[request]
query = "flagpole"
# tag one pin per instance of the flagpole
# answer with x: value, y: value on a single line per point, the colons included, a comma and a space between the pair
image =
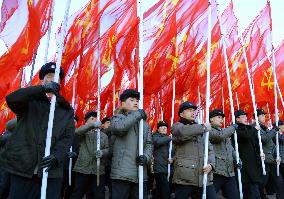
x: 276, y: 107
x: 199, y: 105
x: 280, y: 94
x: 99, y: 99
x: 172, y: 122
x: 206, y: 137
x: 231, y: 99
x: 269, y: 116
x: 33, y: 67
x: 223, y: 105
x: 49, y: 32
x: 237, y: 100
x: 53, y: 99
x: 140, y: 88
x: 73, y: 106
x: 254, y: 104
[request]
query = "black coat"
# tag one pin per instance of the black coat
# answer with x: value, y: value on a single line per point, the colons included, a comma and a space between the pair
x: 161, y: 152
x: 25, y: 149
x: 249, y: 154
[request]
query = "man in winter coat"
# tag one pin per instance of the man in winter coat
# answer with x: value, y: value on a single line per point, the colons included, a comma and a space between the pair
x: 23, y: 155
x: 224, y: 173
x: 250, y: 155
x: 280, y: 128
x: 267, y: 137
x: 161, y: 142
x: 4, y: 175
x: 86, y: 165
x: 126, y: 159
x: 189, y: 155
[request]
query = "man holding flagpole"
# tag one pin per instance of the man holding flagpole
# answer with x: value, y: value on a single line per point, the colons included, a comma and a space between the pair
x: 23, y: 156
x: 124, y: 127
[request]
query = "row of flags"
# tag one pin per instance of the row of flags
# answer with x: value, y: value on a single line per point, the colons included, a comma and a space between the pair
x: 174, y: 49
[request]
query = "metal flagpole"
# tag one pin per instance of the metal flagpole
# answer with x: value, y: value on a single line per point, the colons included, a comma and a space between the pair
x: 206, y: 137
x: 254, y: 104
x: 269, y: 116
x: 276, y: 109
x: 280, y: 94
x: 99, y: 100
x: 53, y: 99
x: 172, y: 122
x: 73, y: 106
x: 49, y: 32
x: 33, y: 67
x: 237, y: 99
x: 231, y: 99
x: 140, y: 88
x: 199, y: 105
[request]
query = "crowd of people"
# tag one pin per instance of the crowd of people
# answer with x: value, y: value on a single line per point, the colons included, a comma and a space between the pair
x: 173, y: 163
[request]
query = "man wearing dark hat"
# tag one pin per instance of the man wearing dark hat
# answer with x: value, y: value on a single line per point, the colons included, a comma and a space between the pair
x: 189, y: 152
x: 224, y: 173
x: 24, y: 153
x: 72, y: 155
x: 250, y: 155
x: 267, y: 137
x: 161, y: 142
x: 105, y: 128
x: 124, y: 126
x: 86, y: 165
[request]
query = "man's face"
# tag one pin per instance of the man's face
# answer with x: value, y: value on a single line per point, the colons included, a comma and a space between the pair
x: 242, y: 119
x: 261, y: 119
x: 162, y: 130
x: 106, y: 125
x: 188, y: 114
x: 281, y: 128
x: 91, y: 119
x: 49, y: 77
x: 217, y: 121
x: 130, y: 104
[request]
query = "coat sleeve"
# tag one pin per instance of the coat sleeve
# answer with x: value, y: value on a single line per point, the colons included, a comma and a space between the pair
x: 216, y: 136
x: 105, y: 147
x: 120, y: 124
x: 160, y: 141
x: 148, y: 147
x: 82, y: 130
x: 182, y: 133
x: 211, y: 155
x: 64, y: 143
x: 19, y: 99
x: 266, y: 136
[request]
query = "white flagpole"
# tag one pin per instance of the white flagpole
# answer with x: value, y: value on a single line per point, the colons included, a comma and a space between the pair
x: 276, y: 107
x: 231, y: 99
x: 206, y: 137
x: 53, y: 99
x: 254, y: 104
x: 172, y: 122
x: 73, y: 106
x: 199, y: 118
x: 99, y: 99
x: 280, y: 94
x: 237, y: 99
x: 49, y: 32
x: 269, y: 116
x: 140, y: 88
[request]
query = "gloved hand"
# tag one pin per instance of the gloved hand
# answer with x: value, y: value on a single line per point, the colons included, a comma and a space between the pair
x: 239, y: 165
x: 99, y: 154
x: 276, y: 128
x: 49, y: 162
x: 51, y: 87
x: 235, y: 126
x: 141, y: 160
x: 143, y: 114
x: 96, y: 124
x: 72, y: 154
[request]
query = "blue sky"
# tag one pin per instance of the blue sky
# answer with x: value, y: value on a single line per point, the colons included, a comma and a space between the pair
x: 245, y: 10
